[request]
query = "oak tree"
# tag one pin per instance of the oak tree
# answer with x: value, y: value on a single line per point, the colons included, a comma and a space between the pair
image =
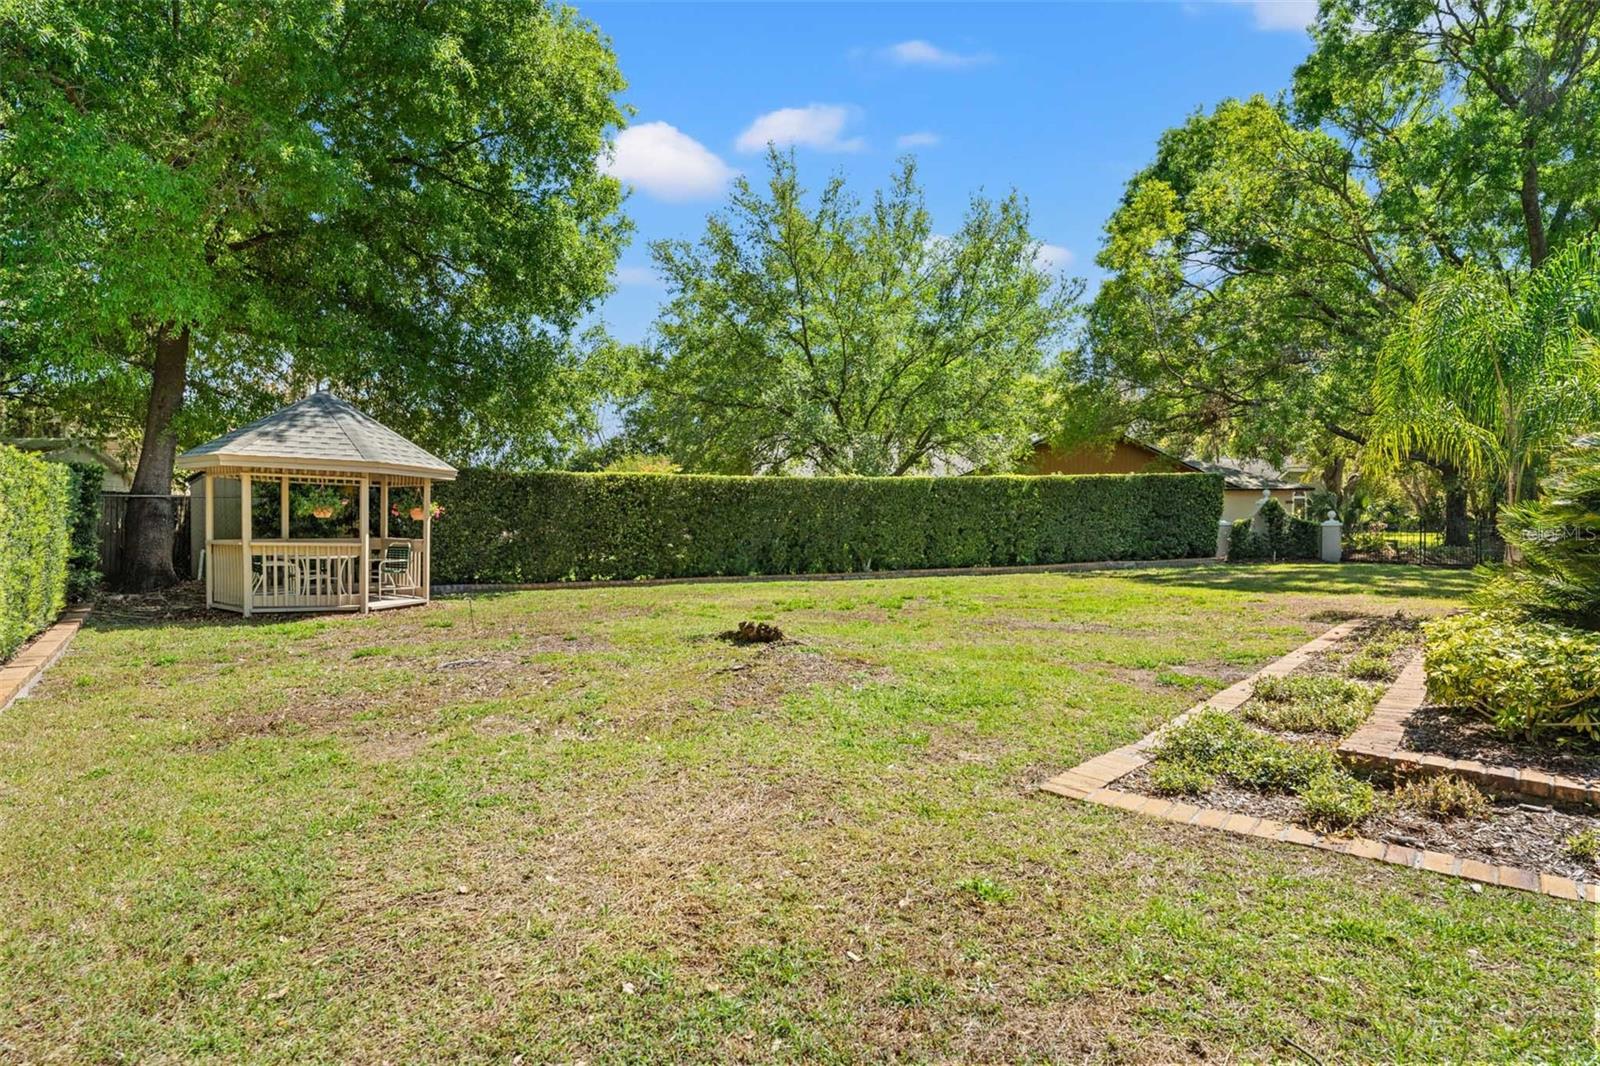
x: 208, y: 207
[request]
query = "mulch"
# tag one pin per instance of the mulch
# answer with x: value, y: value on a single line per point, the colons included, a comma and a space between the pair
x: 183, y: 602
x: 1531, y: 835
x: 1458, y: 734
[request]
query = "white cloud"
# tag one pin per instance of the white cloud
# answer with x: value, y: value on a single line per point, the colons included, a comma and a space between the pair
x: 666, y: 163
x: 1283, y: 14
x: 641, y: 276
x: 812, y: 126
x: 920, y: 53
x: 920, y: 139
x: 1052, y: 257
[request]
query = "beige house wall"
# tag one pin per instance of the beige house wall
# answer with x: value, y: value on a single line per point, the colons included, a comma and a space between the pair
x: 1242, y: 503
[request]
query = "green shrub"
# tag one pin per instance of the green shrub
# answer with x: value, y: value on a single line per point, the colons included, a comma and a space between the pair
x: 34, y: 545
x: 1444, y: 796
x: 1205, y: 740
x: 83, y: 559
x: 1529, y: 676
x: 1336, y: 800
x: 1282, y: 536
x: 511, y: 528
x: 1310, y: 703
x: 1557, y: 578
x: 1217, y: 743
x: 1370, y: 664
x: 1585, y: 846
x: 1180, y: 779
x: 1373, y: 659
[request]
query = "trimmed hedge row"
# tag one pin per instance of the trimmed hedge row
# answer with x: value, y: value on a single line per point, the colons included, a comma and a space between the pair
x: 516, y: 528
x: 1283, y: 536
x: 35, y: 514
x: 83, y: 559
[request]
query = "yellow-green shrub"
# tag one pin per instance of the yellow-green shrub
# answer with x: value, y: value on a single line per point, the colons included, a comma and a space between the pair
x: 34, y: 545
x: 1529, y: 676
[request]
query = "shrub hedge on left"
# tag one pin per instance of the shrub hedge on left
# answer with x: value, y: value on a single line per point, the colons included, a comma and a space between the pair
x: 35, y: 542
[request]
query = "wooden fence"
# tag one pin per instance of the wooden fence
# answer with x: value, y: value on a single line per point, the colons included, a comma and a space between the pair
x: 114, y: 519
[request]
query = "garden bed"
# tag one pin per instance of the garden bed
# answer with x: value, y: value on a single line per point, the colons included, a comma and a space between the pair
x: 1455, y: 734
x: 1277, y: 755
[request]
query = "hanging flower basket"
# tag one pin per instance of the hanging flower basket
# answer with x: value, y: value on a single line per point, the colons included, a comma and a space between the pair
x: 320, y: 501
x: 417, y: 512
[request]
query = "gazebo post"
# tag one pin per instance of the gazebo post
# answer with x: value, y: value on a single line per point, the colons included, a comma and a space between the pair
x: 283, y: 507
x: 427, y: 538
x: 249, y: 582
x: 383, y: 509
x: 206, y: 560
x: 366, y: 551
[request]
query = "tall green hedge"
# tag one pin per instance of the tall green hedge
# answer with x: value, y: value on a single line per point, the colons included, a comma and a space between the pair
x: 511, y: 528
x: 83, y: 560
x: 34, y: 545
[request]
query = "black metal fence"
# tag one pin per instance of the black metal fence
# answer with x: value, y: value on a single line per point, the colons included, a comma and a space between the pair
x: 1425, y: 546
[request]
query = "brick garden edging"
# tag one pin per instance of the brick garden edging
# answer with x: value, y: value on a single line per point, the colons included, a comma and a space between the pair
x: 1379, y: 744
x: 1090, y: 781
x: 19, y: 674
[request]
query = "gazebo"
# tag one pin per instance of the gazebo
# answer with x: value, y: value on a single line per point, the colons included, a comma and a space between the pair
x: 316, y: 507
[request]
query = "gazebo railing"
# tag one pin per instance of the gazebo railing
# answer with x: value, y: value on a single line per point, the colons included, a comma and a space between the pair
x: 298, y: 575
x: 294, y: 575
x: 223, y: 560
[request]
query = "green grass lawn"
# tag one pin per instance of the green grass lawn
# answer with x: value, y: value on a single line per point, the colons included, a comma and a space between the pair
x: 574, y: 825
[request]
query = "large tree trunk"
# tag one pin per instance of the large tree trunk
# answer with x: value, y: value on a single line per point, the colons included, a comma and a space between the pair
x: 1457, y: 527
x: 147, y: 536
x: 1532, y: 206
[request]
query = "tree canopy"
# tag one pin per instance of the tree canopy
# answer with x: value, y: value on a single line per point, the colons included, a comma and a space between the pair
x: 1257, y: 264
x: 1491, y: 381
x: 839, y: 337
x: 208, y: 207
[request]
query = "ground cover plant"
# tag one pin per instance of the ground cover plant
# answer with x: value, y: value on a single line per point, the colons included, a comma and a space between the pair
x: 575, y: 824
x: 1275, y: 757
x: 1311, y: 704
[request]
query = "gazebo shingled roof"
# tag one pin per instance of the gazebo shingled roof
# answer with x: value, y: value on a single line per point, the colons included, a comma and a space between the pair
x: 318, y: 432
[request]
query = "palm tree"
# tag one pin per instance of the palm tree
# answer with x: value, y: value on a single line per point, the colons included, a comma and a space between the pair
x: 1492, y: 379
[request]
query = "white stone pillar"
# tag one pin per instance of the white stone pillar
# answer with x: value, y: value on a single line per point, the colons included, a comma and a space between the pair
x: 1224, y: 537
x: 1332, y: 539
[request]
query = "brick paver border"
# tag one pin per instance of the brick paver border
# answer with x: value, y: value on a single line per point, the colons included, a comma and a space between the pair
x: 1091, y: 780
x: 1380, y: 744
x: 19, y: 674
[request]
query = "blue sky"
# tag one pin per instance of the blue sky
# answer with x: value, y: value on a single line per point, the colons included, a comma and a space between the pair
x: 1062, y: 102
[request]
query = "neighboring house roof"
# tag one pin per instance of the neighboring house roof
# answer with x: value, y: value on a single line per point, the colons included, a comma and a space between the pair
x: 320, y: 432
x: 1251, y: 474
x: 67, y: 450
